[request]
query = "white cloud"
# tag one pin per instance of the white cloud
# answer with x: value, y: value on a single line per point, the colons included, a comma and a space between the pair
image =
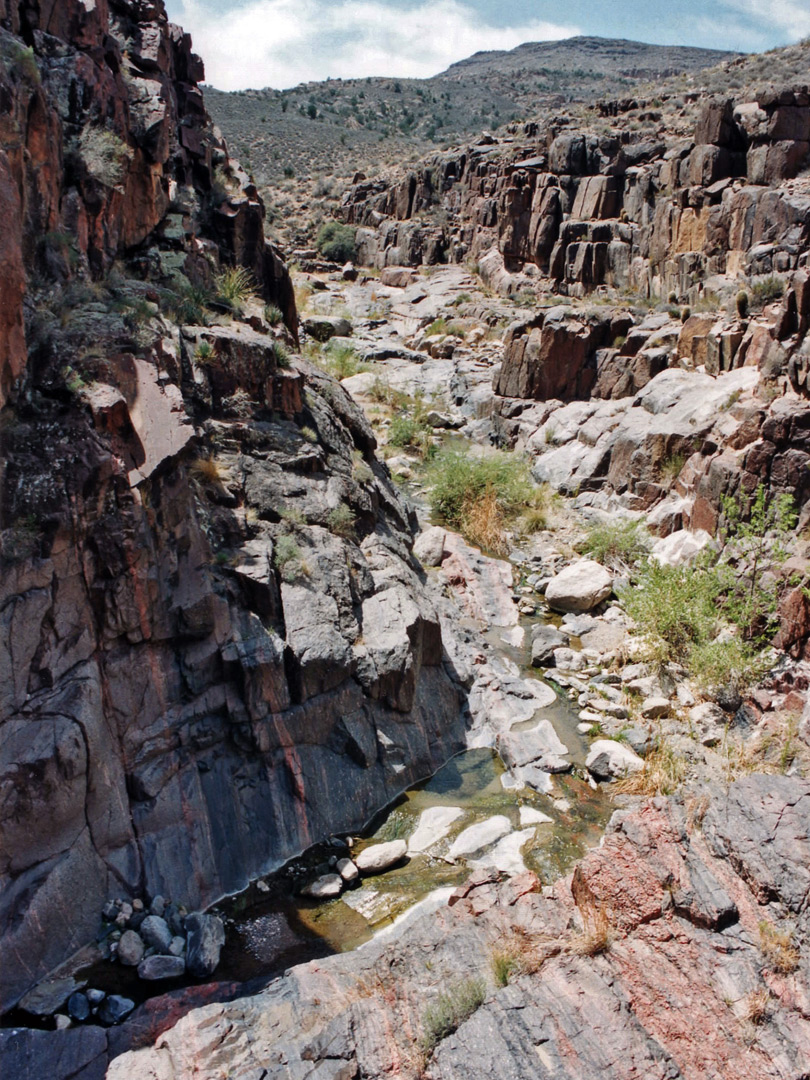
x: 281, y: 43
x: 791, y: 17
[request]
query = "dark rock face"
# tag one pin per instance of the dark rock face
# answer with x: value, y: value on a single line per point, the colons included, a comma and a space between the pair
x: 665, y: 989
x: 593, y: 210
x: 217, y: 648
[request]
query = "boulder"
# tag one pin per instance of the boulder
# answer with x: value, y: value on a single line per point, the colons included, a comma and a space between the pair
x: 680, y: 547
x: 78, y: 1006
x: 580, y: 587
x: 653, y: 708
x: 429, y: 546
x: 131, y: 948
x: 154, y: 968
x: 326, y: 887
x: 609, y: 760
x: 114, y: 1008
x: 398, y: 277
x: 379, y: 857
x: 540, y: 747
x: 205, y: 936
x: 48, y: 997
x: 156, y: 933
x: 545, y: 639
x: 323, y: 327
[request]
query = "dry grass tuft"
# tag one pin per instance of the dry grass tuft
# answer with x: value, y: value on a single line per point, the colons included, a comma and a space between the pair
x: 757, y: 1007
x: 696, y: 811
x: 778, y: 949
x: 597, y: 937
x: 482, y: 523
x: 206, y: 470
x: 662, y: 774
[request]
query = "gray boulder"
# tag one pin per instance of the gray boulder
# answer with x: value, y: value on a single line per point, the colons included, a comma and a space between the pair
x: 580, y: 587
x: 545, y: 639
x: 114, y: 1008
x: 429, y: 546
x: 78, y: 1006
x: 204, y: 941
x: 158, y: 967
x: 155, y: 933
x: 609, y: 760
x: 323, y: 327
x: 131, y: 948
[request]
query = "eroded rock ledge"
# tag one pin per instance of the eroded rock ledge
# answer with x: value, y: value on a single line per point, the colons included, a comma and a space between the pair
x: 698, y: 968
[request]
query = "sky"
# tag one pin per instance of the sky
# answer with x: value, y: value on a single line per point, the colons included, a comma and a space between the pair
x: 280, y: 43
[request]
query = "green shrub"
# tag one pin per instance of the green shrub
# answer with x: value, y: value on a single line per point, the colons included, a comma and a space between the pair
x: 450, y: 1010
x: 753, y: 534
x: 273, y: 315
x: 675, y: 608
x: 282, y: 354
x: 204, y: 353
x: 442, y: 326
x: 341, y: 521
x: 618, y: 544
x: 187, y: 305
x: 681, y: 610
x: 336, y: 242
x: 361, y: 470
x: 505, y: 964
x: 407, y: 431
x: 457, y: 479
x: 741, y: 303
x: 768, y: 289
x: 235, y: 285
x: 287, y: 558
x: 342, y: 361
x: 481, y: 496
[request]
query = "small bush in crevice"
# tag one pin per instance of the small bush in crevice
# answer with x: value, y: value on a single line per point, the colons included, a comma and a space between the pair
x: 341, y: 521
x: 235, y: 285
x: 778, y: 949
x: 287, y: 558
x: 452, y: 1007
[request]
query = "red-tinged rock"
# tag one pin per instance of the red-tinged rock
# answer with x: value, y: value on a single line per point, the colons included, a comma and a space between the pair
x: 681, y: 955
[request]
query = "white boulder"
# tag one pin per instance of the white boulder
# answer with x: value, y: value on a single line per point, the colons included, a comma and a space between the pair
x: 579, y: 587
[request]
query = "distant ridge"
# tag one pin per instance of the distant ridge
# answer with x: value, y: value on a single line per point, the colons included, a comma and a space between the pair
x: 608, y: 56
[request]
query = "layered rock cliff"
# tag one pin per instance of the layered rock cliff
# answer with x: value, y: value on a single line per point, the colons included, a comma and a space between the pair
x: 217, y: 647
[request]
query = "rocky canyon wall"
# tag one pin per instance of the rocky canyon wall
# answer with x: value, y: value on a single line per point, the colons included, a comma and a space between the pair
x: 216, y: 645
